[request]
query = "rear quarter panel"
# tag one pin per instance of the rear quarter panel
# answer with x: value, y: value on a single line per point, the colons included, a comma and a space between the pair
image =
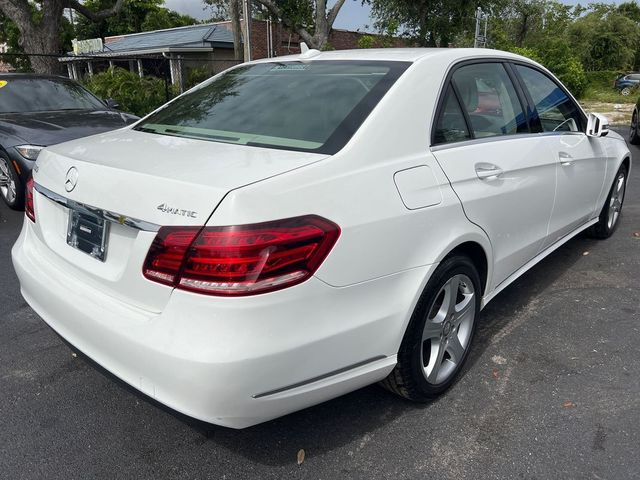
x: 355, y: 188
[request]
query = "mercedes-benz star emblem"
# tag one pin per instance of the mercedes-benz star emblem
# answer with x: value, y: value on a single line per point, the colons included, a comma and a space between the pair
x: 71, y: 180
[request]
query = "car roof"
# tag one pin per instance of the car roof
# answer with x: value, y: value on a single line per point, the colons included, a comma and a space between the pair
x: 402, y: 54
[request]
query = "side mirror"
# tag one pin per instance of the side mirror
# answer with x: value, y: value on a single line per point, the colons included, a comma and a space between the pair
x: 111, y: 103
x: 597, y: 125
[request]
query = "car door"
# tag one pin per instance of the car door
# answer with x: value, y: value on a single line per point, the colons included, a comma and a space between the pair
x: 504, y: 176
x: 581, y: 159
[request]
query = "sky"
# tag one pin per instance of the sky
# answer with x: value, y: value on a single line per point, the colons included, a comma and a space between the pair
x: 352, y: 15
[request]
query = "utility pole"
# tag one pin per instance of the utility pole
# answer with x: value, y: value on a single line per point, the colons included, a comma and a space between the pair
x: 477, y: 35
x: 480, y: 41
x: 246, y: 13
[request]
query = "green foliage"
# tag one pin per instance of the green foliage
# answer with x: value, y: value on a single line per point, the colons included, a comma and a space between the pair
x: 600, y: 88
x: 134, y: 94
x: 197, y: 75
x: 135, y: 16
x: 570, y: 72
x: 605, y: 39
x: 560, y: 60
x: 10, y: 34
x: 375, y: 41
x: 427, y: 23
x: 161, y: 18
x: 527, y: 52
x: 367, y: 41
x: 602, y: 78
x: 599, y: 37
x: 608, y: 95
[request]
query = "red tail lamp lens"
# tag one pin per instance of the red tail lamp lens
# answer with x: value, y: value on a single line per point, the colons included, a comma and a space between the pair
x: 28, y: 201
x: 240, y: 260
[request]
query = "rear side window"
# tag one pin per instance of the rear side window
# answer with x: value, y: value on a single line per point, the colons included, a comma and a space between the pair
x: 556, y: 111
x: 451, y: 125
x: 490, y: 100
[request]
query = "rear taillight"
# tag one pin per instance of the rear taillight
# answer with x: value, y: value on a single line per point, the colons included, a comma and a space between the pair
x: 28, y: 200
x: 240, y: 260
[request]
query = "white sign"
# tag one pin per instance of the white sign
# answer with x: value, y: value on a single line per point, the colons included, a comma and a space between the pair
x: 91, y: 45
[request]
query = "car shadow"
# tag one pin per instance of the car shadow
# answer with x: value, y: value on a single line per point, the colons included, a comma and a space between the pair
x: 338, y: 422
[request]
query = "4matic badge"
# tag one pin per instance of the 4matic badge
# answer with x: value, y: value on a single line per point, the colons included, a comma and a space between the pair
x: 164, y: 208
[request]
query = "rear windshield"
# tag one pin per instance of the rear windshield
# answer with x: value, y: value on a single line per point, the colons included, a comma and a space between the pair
x: 44, y: 94
x: 312, y: 106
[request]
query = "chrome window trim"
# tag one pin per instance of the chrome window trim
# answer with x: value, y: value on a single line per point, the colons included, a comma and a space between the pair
x: 109, y: 216
x: 499, y: 138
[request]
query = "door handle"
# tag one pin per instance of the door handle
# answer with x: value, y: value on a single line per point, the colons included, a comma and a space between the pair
x: 566, y: 160
x: 487, y: 171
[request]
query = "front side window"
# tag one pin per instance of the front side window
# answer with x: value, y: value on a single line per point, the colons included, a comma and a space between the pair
x: 490, y: 100
x: 556, y: 111
x: 306, y: 106
x: 44, y: 94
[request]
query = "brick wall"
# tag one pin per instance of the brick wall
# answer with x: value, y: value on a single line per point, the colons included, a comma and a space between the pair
x: 288, y: 43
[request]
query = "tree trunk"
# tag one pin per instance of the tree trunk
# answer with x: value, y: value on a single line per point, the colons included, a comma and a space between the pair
x: 41, y: 40
x: 234, y: 13
x: 323, y: 22
x: 44, y: 39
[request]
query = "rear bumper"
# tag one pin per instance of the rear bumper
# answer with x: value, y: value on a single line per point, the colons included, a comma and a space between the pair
x: 230, y: 361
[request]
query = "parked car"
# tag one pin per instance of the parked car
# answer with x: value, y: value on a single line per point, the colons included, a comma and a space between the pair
x: 40, y: 110
x: 295, y: 229
x: 625, y: 84
x: 634, y: 135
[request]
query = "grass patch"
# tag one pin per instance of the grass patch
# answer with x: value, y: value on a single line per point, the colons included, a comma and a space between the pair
x: 608, y: 95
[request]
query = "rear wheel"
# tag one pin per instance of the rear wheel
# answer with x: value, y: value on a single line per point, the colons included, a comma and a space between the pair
x: 438, y: 339
x: 634, y: 138
x: 610, y: 214
x: 11, y: 188
x: 625, y: 91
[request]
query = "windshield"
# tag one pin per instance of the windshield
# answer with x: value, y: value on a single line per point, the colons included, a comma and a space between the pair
x: 44, y: 94
x: 312, y: 106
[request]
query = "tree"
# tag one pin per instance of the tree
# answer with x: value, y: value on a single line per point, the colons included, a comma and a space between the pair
x: 310, y: 19
x: 605, y: 39
x: 428, y: 23
x: 229, y: 9
x: 134, y: 16
x: 40, y: 31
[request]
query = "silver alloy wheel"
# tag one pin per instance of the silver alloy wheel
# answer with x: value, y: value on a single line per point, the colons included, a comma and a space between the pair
x: 625, y: 91
x: 7, y: 183
x: 447, y: 329
x: 615, y: 203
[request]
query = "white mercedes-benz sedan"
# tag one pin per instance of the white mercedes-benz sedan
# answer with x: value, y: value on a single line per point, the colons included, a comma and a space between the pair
x: 297, y: 228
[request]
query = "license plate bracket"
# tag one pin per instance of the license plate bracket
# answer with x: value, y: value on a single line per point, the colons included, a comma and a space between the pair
x: 88, y: 233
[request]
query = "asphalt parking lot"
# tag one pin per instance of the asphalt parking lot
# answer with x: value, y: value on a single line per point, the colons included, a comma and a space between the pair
x: 552, y: 390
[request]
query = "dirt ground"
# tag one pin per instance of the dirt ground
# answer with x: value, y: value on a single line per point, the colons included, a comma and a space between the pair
x: 617, y: 113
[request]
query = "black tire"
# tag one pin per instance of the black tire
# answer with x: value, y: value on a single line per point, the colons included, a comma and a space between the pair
x: 605, y: 228
x: 15, y: 200
x: 625, y: 91
x: 634, y: 138
x: 409, y: 377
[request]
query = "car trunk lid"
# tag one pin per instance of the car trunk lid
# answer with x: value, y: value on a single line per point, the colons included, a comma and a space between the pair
x: 140, y: 181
